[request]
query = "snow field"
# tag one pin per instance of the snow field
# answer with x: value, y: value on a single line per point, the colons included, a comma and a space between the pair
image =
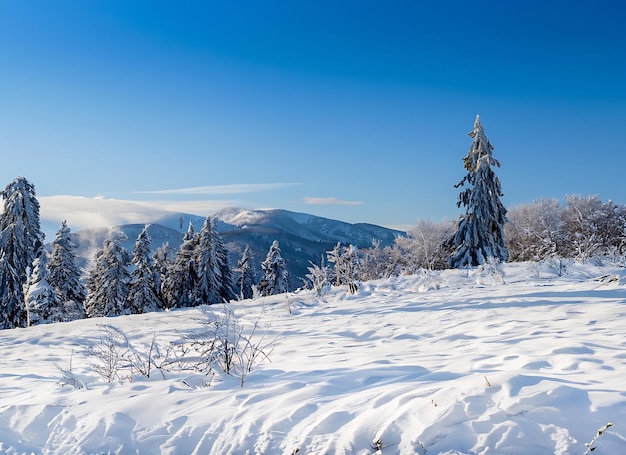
x: 430, y: 364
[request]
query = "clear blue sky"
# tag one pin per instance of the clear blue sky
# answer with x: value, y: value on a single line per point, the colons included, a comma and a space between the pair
x: 353, y: 110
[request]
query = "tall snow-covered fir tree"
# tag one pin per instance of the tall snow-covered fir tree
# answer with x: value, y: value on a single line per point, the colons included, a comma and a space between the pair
x: 179, y: 286
x: 213, y: 274
x: 209, y: 275
x: 65, y: 275
x: 109, y: 281
x: 226, y: 273
x: 162, y: 262
x: 42, y: 301
x: 21, y: 240
x: 480, y: 232
x: 144, y: 292
x: 246, y: 275
x: 275, y: 278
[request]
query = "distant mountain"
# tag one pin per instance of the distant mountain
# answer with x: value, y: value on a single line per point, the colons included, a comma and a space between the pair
x: 302, y: 237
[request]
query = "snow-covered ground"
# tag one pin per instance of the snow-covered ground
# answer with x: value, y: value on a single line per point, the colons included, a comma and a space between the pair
x: 424, y: 364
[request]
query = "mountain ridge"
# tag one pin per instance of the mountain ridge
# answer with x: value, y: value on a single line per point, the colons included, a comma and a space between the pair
x: 303, y: 238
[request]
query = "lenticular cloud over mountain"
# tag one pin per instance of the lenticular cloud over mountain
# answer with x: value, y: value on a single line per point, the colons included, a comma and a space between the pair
x: 97, y: 212
x: 450, y: 362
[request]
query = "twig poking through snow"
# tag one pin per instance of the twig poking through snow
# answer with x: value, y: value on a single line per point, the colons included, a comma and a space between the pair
x: 590, y: 445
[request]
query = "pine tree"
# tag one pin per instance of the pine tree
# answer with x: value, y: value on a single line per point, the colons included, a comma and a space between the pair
x: 226, y: 291
x: 108, y: 282
x: 480, y: 232
x: 275, y: 276
x: 179, y: 286
x: 209, y: 277
x: 246, y: 278
x: 42, y: 301
x: 162, y: 263
x: 144, y: 290
x: 21, y: 240
x: 213, y: 274
x: 65, y: 275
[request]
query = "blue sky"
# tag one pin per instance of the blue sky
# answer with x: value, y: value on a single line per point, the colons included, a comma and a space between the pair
x: 353, y: 110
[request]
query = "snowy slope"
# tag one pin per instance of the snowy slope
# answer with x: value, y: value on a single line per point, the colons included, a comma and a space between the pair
x: 431, y: 364
x: 306, y: 226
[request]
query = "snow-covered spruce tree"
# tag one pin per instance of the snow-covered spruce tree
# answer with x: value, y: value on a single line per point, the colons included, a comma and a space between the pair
x: 226, y: 273
x: 162, y: 262
x: 246, y: 274
x: 480, y: 232
x: 275, y: 278
x: 21, y: 240
x: 42, y: 301
x: 109, y: 281
x: 208, y: 273
x: 65, y: 275
x: 143, y: 296
x: 179, y: 285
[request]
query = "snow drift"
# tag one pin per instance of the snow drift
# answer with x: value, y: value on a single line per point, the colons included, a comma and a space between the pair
x: 428, y: 364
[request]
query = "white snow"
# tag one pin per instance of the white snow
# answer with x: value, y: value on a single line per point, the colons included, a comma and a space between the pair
x: 241, y: 217
x: 429, y: 364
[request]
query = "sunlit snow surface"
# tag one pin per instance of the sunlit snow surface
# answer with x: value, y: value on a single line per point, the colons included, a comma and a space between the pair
x: 426, y: 364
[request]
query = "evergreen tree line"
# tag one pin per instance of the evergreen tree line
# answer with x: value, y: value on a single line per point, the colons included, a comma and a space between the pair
x: 40, y: 286
x: 138, y: 281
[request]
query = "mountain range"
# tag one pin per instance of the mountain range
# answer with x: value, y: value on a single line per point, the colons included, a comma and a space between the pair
x: 303, y: 238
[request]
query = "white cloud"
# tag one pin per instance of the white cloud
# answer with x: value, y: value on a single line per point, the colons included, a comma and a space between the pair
x: 83, y: 213
x: 401, y: 227
x: 236, y: 188
x: 329, y: 201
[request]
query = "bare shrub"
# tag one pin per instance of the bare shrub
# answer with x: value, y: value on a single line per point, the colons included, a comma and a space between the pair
x: 223, y: 342
x: 69, y: 378
x: 490, y: 272
x: 109, y: 353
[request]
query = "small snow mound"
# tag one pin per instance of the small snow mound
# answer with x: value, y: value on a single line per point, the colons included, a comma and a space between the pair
x: 430, y: 285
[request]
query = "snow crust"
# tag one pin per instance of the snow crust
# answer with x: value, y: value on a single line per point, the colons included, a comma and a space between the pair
x: 432, y: 363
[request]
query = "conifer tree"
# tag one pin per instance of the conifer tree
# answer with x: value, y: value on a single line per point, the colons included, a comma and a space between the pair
x: 65, y: 275
x: 246, y: 278
x: 213, y: 274
x: 226, y: 291
x: 179, y: 286
x: 162, y: 262
x: 275, y: 278
x: 208, y: 272
x: 108, y: 282
x: 144, y: 291
x: 480, y: 232
x: 21, y: 240
x: 42, y: 301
